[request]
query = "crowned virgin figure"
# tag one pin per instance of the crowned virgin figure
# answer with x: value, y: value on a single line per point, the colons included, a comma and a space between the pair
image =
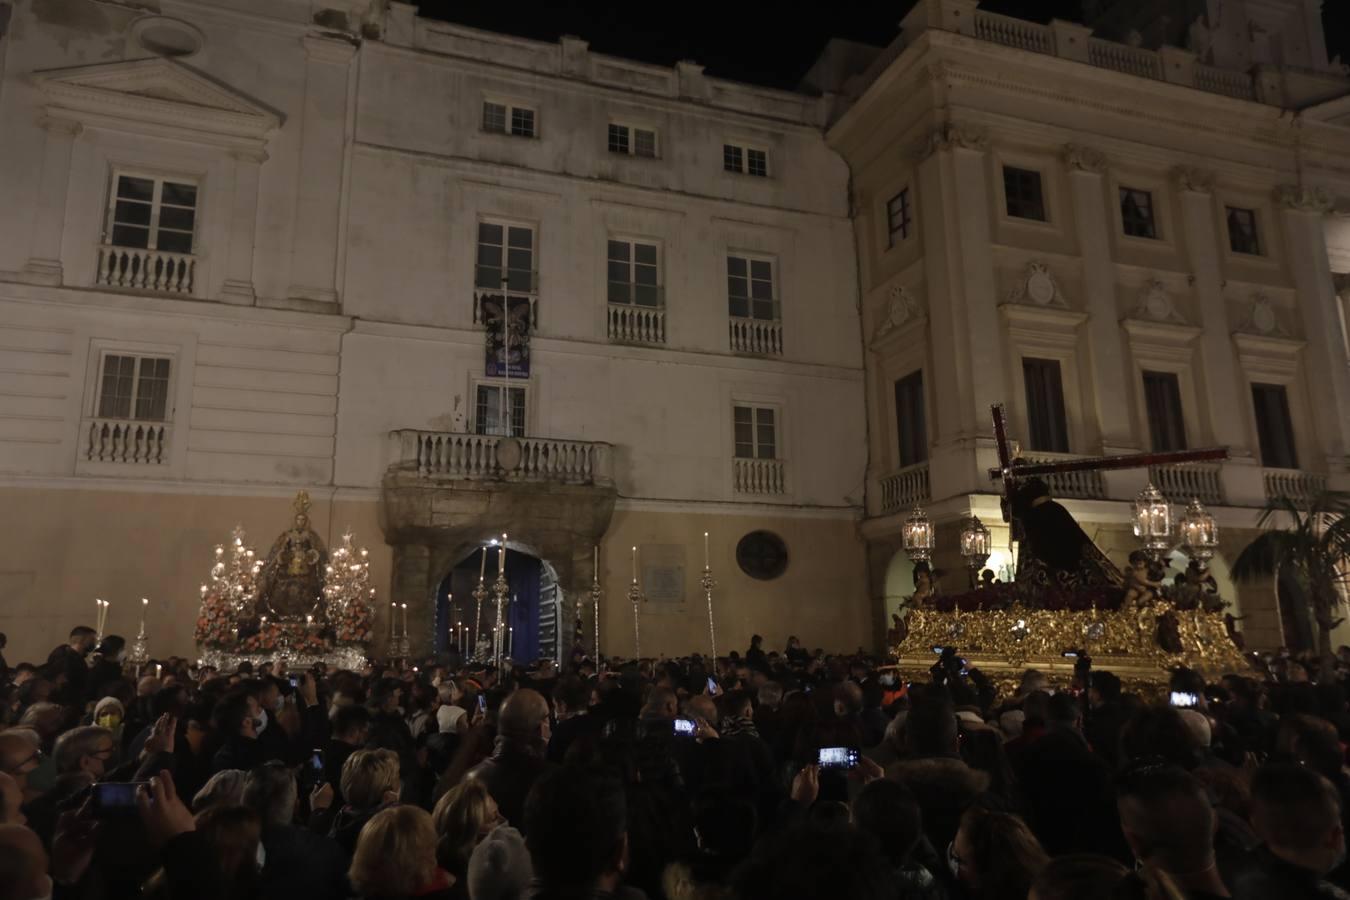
x: 290, y: 585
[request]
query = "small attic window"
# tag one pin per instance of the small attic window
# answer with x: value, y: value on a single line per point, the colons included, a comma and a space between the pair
x: 163, y: 36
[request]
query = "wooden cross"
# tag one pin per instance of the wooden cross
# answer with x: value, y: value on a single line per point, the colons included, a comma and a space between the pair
x: 1011, y: 474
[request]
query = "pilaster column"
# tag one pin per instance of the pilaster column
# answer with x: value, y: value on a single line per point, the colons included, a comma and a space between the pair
x: 314, y: 246
x: 49, y: 220
x: 967, y: 335
x: 238, y: 287
x: 1110, y: 373
x: 411, y: 585
x: 1328, y: 375
x: 1221, y: 381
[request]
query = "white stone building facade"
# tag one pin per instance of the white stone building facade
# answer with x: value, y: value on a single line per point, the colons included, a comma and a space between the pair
x: 1132, y: 245
x: 244, y: 249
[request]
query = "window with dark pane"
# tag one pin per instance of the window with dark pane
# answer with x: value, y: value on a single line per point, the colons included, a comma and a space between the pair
x: 1023, y: 193
x: 1162, y: 403
x: 738, y: 286
x: 134, y: 387
x: 1047, y: 424
x: 756, y: 432
x: 733, y: 158
x: 1136, y: 213
x: 153, y: 214
x: 513, y: 259
x: 520, y: 259
x: 898, y: 218
x: 494, y: 117
x: 634, y: 275
x: 1274, y: 426
x: 522, y: 122
x: 910, y: 419
x: 1242, y: 234
x: 644, y: 143
x: 489, y: 419
x: 618, y: 138
x: 762, y: 303
x: 757, y: 163
x: 118, y: 387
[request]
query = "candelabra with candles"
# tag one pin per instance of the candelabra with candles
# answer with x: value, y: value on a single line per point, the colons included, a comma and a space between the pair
x: 140, y: 648
x: 499, y: 590
x: 635, y: 597
x: 404, y: 647
x: 708, y: 583
x: 1152, y: 522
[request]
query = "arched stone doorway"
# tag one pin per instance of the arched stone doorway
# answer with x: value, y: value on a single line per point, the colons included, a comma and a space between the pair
x: 435, y: 524
x: 537, y: 619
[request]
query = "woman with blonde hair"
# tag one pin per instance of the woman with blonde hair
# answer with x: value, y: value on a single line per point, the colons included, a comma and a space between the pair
x: 463, y: 817
x: 396, y: 858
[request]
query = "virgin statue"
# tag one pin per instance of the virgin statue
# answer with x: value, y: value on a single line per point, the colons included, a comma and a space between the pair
x: 291, y: 582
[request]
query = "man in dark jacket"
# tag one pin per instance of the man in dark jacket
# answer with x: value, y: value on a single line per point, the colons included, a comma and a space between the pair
x: 576, y: 829
x: 68, y: 660
x: 236, y: 722
x: 518, y: 759
x: 298, y: 862
x: 571, y: 705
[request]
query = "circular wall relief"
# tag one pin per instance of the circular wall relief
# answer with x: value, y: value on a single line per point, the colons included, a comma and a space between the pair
x: 509, y: 454
x: 164, y: 36
x: 762, y: 555
x: 1263, y: 317
x: 1041, y: 287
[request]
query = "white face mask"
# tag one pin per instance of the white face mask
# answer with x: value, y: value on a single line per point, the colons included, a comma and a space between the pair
x: 261, y: 722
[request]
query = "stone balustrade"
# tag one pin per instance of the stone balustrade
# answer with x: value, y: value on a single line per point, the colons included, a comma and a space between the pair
x: 1179, y: 483
x: 905, y: 489
x: 1068, y: 40
x: 1224, y: 81
x: 481, y: 457
x: 123, y: 441
x: 1087, y: 485
x: 1300, y: 487
x: 1124, y: 58
x: 1013, y: 32
x: 630, y: 324
x: 761, y: 337
x: 759, y: 476
x: 145, y: 270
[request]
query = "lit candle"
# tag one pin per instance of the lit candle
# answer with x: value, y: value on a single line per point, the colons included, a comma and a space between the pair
x: 405, y: 619
x: 393, y: 611
x: 482, y: 563
x: 595, y: 567
x: 705, y: 550
x: 264, y: 621
x: 501, y: 558
x: 458, y: 639
x: 510, y: 638
x: 635, y: 565
x: 158, y: 669
x: 144, y: 604
x: 309, y: 621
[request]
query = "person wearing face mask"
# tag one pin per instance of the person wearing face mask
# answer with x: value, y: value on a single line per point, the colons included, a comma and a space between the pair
x: 1298, y: 815
x: 107, y: 665
x: 110, y: 714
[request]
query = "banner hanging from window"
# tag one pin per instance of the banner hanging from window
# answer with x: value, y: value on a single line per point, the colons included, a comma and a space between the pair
x: 492, y: 313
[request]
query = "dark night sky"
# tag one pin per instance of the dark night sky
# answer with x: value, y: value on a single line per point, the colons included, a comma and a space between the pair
x: 751, y: 42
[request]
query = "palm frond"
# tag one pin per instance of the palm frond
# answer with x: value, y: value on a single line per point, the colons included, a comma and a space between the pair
x: 1264, y: 555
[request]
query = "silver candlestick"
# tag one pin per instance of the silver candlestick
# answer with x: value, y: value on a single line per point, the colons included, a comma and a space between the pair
x: 500, y: 589
x: 709, y: 584
x: 480, y: 594
x: 635, y: 595
x: 595, y: 612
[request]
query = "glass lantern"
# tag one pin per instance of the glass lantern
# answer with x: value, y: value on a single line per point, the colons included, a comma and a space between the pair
x: 1199, y: 532
x: 918, y: 536
x: 1152, y: 517
x: 975, y: 543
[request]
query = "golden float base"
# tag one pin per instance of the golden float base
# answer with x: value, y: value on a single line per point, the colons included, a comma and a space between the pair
x: 1004, y: 643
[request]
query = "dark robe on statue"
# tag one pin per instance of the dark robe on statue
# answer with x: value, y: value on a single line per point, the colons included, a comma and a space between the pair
x: 1055, y: 552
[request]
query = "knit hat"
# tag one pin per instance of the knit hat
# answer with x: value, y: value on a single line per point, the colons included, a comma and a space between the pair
x: 500, y: 867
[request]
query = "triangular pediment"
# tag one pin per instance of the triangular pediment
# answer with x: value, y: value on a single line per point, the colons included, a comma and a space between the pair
x: 157, y: 91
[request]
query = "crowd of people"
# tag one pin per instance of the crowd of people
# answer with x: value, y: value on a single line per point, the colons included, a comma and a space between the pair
x: 762, y: 776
